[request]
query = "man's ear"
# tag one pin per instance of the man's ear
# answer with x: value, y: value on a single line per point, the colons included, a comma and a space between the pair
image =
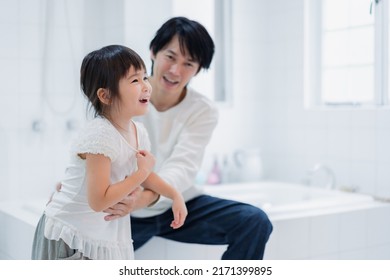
x: 104, y: 96
x: 152, y: 55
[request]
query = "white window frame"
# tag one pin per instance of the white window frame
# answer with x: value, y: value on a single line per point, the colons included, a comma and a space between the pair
x: 312, y: 58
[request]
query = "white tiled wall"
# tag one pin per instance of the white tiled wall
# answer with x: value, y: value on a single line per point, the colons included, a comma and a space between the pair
x: 354, y: 143
x: 31, y: 162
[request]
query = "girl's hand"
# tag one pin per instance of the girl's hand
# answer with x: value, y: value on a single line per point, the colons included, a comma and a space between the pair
x: 179, y: 210
x: 145, y: 161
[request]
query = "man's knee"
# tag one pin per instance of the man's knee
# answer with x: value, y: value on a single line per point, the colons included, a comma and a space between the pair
x: 257, y: 218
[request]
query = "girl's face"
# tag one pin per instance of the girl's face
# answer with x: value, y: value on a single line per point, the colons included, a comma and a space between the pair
x: 134, y: 93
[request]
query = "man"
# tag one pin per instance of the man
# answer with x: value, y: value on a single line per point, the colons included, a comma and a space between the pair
x: 180, y: 123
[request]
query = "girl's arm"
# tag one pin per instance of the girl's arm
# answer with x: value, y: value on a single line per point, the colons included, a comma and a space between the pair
x: 138, y: 199
x: 158, y: 185
x: 101, y: 193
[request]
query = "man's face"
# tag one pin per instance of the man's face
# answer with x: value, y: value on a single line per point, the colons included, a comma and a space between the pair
x: 172, y: 70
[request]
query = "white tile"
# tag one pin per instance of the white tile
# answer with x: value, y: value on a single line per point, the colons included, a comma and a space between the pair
x: 363, y: 119
x: 281, y: 5
x: 382, y: 145
x: 339, y: 119
x: 160, y: 248
x: 293, y: 171
x: 383, y: 180
x: 286, y: 25
x: 378, y: 227
x: 271, y: 249
x: 31, y: 43
x: 32, y: 12
x: 13, y: 161
x: 214, y: 252
x: 363, y: 144
x: 382, y: 120
x: 31, y: 81
x: 185, y: 251
x: 363, y: 176
x: 352, y: 230
x: 339, y: 144
x: 19, y: 236
x: 330, y: 256
x: 276, y: 141
x: 324, y: 233
x: 295, y: 111
x: 10, y: 93
x: 9, y: 12
x: 154, y: 249
x: 315, y: 119
x: 9, y: 33
x: 296, y: 136
x: 315, y: 144
x: 293, y: 239
x: 358, y: 254
x: 2, y: 231
x: 75, y: 12
x: 380, y: 252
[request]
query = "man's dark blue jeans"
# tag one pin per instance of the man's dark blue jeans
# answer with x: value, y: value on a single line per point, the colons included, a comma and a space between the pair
x: 244, y: 228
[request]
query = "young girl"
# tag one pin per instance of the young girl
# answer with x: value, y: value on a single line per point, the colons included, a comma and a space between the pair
x: 109, y: 160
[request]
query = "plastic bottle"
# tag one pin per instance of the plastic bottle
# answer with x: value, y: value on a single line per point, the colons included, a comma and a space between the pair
x: 214, y: 176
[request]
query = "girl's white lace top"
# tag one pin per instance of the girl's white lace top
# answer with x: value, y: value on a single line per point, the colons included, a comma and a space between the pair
x: 68, y: 215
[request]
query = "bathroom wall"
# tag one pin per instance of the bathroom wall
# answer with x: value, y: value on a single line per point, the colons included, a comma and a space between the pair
x: 43, y: 45
x: 240, y: 120
x: 34, y: 128
x: 268, y: 63
x: 39, y: 71
x: 43, y: 107
x: 268, y: 87
x: 266, y: 111
x: 354, y: 143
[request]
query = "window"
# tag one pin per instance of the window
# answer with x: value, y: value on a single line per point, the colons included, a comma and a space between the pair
x: 345, y: 51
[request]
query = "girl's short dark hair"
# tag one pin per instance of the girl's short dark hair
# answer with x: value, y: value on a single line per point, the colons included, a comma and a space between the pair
x: 192, y: 35
x: 104, y: 68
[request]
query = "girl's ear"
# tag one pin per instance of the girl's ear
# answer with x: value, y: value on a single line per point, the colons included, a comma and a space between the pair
x: 104, y: 96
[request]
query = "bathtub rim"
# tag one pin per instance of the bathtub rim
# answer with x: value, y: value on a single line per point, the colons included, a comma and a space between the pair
x: 356, y: 201
x: 31, y: 210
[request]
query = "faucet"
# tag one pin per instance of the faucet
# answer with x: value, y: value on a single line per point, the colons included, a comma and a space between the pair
x: 318, y: 167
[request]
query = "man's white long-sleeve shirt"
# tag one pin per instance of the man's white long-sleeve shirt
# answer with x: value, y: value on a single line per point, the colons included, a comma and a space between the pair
x: 178, y: 138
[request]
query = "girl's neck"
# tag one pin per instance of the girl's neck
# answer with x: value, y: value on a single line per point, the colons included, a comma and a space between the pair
x: 120, y: 124
x: 126, y: 128
x: 121, y: 127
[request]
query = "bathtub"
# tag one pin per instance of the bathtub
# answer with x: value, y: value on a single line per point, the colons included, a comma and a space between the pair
x: 309, y: 223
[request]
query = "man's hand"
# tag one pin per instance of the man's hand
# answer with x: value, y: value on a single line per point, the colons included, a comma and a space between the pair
x: 58, y: 188
x: 124, y: 207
